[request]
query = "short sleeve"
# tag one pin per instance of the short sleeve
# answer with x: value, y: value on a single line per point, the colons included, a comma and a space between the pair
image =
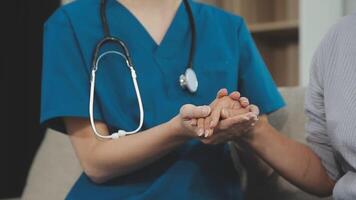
x: 255, y: 81
x: 65, y: 78
x: 317, y: 137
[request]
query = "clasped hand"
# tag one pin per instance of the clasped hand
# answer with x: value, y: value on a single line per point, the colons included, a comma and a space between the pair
x: 227, y: 118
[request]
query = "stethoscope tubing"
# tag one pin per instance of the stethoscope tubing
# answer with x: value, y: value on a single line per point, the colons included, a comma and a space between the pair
x: 126, y: 56
x: 120, y: 133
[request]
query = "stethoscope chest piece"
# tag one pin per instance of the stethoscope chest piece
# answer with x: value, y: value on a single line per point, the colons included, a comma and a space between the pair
x: 189, y: 80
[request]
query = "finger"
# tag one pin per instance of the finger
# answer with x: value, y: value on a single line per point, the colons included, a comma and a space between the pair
x: 235, y: 95
x: 190, y: 111
x: 193, y: 122
x: 222, y: 137
x: 236, y: 105
x: 244, y: 102
x: 200, y: 126
x: 254, y: 109
x: 227, y: 113
x: 221, y: 93
x: 227, y: 123
x: 251, y: 116
x: 252, y: 119
x: 247, y: 125
x: 208, y: 132
x: 214, y: 118
x: 207, y: 129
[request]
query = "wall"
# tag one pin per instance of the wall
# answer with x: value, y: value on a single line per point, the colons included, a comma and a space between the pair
x: 316, y: 17
x: 20, y: 86
x: 349, y: 7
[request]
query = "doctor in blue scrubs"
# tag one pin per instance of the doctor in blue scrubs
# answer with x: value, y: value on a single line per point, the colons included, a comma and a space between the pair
x: 167, y: 158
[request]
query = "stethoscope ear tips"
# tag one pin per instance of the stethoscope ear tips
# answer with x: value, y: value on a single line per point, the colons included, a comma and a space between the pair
x: 189, y: 80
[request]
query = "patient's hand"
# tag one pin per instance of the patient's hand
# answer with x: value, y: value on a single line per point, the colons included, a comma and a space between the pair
x: 231, y: 116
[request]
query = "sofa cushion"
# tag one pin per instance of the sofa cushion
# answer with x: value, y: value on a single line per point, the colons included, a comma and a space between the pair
x: 291, y: 119
x: 54, y: 170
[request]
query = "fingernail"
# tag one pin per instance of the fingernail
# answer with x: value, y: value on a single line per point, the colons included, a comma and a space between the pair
x: 212, y: 124
x: 206, y: 133
x: 200, y: 132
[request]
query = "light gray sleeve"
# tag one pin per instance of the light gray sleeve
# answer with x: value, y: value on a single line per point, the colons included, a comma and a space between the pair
x: 317, y: 137
x: 345, y: 188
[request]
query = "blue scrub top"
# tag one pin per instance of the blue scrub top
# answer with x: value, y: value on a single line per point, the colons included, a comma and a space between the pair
x: 225, y: 57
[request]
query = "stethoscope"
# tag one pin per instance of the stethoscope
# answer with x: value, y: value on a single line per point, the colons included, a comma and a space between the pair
x: 188, y: 80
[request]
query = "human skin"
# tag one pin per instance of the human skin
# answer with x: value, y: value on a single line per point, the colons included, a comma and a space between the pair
x: 294, y: 161
x: 104, y: 160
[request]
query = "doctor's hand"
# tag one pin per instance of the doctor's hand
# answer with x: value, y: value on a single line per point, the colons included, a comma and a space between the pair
x: 234, y: 118
x: 224, y: 106
x: 187, y: 119
x: 233, y: 128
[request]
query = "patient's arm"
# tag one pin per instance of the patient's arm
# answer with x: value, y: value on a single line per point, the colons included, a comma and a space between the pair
x: 294, y: 161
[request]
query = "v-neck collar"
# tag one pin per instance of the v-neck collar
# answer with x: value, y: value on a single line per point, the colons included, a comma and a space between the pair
x: 130, y: 26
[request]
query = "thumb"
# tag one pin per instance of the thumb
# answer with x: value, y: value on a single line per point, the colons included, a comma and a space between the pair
x: 189, y: 111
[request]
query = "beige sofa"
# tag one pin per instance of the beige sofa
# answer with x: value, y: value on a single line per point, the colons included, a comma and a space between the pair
x: 55, y: 167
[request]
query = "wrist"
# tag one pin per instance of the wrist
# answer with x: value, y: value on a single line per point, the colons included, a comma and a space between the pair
x: 255, y: 135
x: 178, y: 130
